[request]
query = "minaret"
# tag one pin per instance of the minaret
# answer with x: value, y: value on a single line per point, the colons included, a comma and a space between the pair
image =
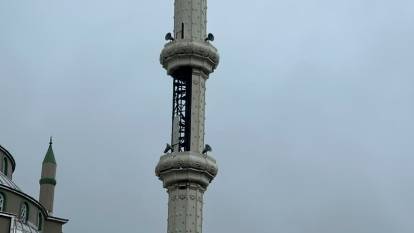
x: 47, y: 180
x: 186, y: 169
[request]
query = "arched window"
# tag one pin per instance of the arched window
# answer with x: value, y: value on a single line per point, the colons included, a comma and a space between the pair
x: 24, y: 212
x: 2, y: 202
x: 40, y: 221
x: 5, y: 168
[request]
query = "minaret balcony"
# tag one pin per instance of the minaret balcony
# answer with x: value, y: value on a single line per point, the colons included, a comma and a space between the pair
x: 201, y: 55
x: 186, y: 167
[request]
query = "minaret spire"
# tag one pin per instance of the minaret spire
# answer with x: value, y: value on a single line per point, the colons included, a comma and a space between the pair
x: 48, y: 179
x: 189, y: 58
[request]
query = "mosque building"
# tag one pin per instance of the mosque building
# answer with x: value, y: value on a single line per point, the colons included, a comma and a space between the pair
x: 21, y: 213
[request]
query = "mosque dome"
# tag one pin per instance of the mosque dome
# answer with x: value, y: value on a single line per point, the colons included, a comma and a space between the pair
x: 9, y: 157
x: 21, y: 213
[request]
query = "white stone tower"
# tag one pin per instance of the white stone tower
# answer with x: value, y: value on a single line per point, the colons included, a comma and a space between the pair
x: 186, y: 169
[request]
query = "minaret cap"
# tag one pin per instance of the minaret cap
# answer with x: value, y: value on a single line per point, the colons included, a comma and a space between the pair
x: 50, y: 157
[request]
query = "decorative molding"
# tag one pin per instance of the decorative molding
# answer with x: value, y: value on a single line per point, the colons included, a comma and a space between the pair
x: 200, y: 55
x: 46, y: 180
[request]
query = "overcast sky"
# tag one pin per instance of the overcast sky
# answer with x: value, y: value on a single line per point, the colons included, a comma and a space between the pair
x: 310, y: 112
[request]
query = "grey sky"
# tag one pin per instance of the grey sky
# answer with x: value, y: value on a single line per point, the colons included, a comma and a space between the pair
x: 310, y: 112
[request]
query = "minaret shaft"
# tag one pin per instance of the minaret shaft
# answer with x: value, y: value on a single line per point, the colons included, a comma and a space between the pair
x: 190, y: 19
x: 197, y: 111
x: 47, y: 186
x: 185, y: 208
x: 47, y: 196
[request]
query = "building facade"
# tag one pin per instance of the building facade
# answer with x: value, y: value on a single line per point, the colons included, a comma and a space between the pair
x: 21, y: 213
x: 187, y: 167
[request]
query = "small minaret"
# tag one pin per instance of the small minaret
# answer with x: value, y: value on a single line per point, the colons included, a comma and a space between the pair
x: 47, y: 180
x: 186, y: 169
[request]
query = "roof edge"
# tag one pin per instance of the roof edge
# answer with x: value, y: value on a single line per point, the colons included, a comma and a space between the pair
x: 36, y: 203
x: 56, y: 219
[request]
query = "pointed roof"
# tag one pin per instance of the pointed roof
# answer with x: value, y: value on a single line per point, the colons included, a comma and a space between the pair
x: 50, y: 157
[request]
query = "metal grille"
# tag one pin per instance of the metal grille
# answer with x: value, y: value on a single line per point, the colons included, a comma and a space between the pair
x: 181, y: 115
